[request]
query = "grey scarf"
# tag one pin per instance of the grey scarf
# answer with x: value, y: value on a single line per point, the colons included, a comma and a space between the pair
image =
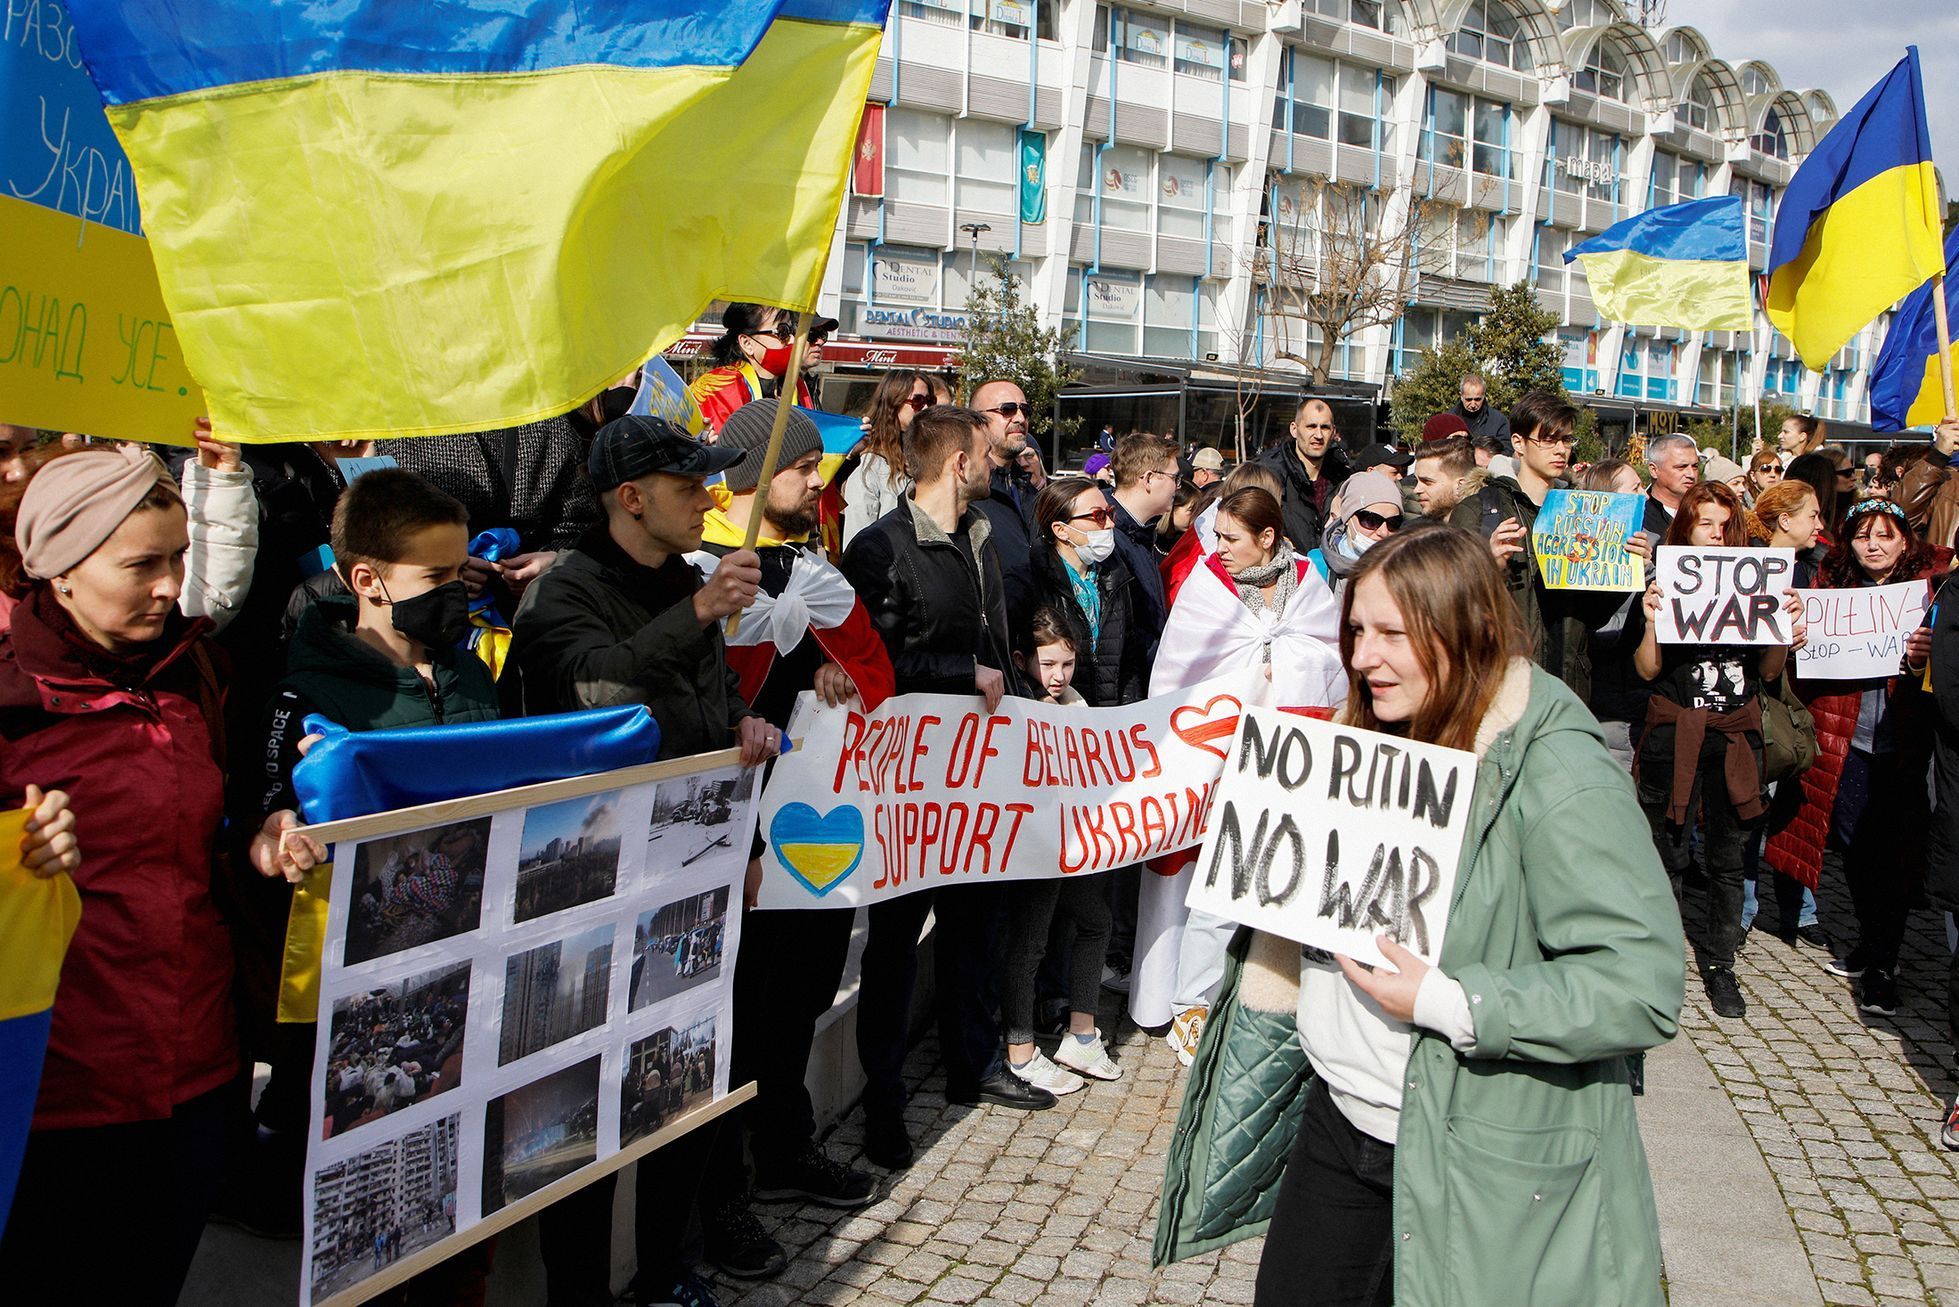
x: 1251, y: 581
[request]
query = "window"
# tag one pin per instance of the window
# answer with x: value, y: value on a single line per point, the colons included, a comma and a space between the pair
x: 1583, y: 13
x: 1169, y: 308
x: 1468, y: 132
x: 1180, y: 197
x: 951, y: 13
x: 918, y: 156
x: 1360, y: 123
x: 956, y: 279
x: 1381, y: 15
x: 1200, y: 51
x: 1679, y: 49
x: 1320, y: 87
x: 1141, y: 38
x: 1700, y: 106
x: 1646, y: 369
x: 1759, y: 200
x: 1123, y: 176
x: 1771, y: 140
x: 1490, y: 32
x: 1754, y: 82
x: 1547, y: 259
x: 1013, y: 17
x: 989, y: 159
x: 1675, y: 179
x: 1210, y: 295
x: 1584, y: 160
x: 1111, y: 306
x: 1580, y: 359
x: 1606, y: 74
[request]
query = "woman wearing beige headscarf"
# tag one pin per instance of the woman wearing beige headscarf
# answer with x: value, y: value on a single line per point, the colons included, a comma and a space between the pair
x: 110, y: 693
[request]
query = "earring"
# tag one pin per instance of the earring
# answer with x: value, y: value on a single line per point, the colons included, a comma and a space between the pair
x: 61, y: 586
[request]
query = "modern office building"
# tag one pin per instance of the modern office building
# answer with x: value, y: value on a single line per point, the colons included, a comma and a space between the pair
x: 1138, y: 162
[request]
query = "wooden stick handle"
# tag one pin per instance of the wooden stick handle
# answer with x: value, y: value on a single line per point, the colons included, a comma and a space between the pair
x: 785, y: 400
x: 1945, y: 343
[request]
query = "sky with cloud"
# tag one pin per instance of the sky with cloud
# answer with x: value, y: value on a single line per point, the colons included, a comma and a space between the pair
x: 1842, y: 49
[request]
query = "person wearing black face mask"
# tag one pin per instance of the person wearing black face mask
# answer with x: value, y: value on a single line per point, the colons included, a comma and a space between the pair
x: 385, y: 655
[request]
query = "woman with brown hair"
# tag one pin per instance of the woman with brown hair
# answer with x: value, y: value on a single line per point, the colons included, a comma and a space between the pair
x: 1702, y: 750
x: 1467, y: 1130
x: 1764, y: 471
x: 1865, y: 813
x: 1800, y: 434
x: 879, y: 481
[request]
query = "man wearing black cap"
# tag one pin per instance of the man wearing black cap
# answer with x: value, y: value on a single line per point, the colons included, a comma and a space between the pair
x: 624, y: 618
x: 1383, y: 458
x: 751, y: 355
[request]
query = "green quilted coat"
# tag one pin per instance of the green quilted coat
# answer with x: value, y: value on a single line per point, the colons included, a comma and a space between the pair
x: 1519, y: 1174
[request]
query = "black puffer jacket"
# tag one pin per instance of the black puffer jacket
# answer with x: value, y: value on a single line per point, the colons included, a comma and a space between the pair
x: 1117, y: 669
x: 940, y: 613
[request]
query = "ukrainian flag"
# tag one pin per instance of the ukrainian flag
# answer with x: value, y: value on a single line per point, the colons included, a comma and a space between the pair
x: 413, y: 218
x: 1858, y: 228
x: 1906, y: 389
x: 37, y: 919
x: 1682, y: 265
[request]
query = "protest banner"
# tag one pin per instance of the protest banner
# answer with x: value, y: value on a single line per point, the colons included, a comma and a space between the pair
x: 85, y: 341
x: 1719, y: 594
x: 519, y: 993
x: 1330, y: 835
x: 1580, y: 541
x: 1858, y: 634
x: 929, y: 789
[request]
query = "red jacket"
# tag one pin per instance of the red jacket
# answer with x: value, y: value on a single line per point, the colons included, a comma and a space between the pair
x: 142, y: 1019
x: 1795, y: 846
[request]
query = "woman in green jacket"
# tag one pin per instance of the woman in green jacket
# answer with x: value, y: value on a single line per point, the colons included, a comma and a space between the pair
x: 1462, y: 1134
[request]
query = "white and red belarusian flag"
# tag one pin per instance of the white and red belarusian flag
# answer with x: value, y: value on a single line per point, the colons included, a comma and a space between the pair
x: 817, y: 601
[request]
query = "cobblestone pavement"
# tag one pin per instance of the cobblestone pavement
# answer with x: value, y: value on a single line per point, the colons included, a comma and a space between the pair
x: 1846, y: 1110
x: 1054, y: 1208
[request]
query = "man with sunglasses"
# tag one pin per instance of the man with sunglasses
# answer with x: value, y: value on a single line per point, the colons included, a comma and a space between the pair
x: 1504, y: 509
x: 751, y: 355
x: 1009, y: 503
x: 1310, y: 469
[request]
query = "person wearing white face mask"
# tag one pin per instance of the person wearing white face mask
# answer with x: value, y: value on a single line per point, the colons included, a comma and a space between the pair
x: 1079, y: 573
x: 1368, y: 510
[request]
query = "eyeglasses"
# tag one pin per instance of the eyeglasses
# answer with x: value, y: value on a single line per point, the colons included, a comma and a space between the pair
x: 1372, y: 521
x: 781, y: 331
x: 1160, y: 472
x: 1100, y: 516
x: 818, y: 337
x: 1549, y: 440
x: 918, y: 403
x: 1012, y: 408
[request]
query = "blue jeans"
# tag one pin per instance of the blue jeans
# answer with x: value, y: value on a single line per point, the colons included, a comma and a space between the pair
x: 1795, y: 902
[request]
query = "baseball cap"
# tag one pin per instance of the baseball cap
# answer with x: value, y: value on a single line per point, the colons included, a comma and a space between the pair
x: 1209, y: 459
x: 1382, y: 456
x: 634, y: 446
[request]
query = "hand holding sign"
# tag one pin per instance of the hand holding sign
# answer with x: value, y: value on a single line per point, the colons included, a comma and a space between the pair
x: 1716, y: 594
x: 1395, y: 990
x: 1589, y: 540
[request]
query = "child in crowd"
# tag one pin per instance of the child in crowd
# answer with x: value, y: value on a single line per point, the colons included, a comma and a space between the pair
x: 1707, y: 701
x: 386, y: 655
x: 1047, y: 658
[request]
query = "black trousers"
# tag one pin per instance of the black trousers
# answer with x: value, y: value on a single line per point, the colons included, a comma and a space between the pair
x: 575, y: 1233
x: 966, y: 962
x: 1331, y: 1241
x: 1722, y: 833
x: 113, y: 1213
x: 791, y: 964
x: 1881, y: 819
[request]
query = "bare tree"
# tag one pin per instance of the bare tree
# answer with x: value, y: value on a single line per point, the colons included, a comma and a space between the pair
x: 1335, y: 258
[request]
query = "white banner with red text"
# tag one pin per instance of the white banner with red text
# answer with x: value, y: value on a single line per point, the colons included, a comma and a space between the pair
x: 931, y: 789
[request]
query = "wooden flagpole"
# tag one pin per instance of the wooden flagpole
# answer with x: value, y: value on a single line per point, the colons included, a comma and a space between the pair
x: 785, y: 400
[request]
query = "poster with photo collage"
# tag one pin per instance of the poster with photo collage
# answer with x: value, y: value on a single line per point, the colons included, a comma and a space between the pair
x: 509, y: 998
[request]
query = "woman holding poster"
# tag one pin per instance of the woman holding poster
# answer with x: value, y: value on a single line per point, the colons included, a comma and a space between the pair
x: 1863, y: 809
x: 1702, y: 751
x: 1461, y: 1132
x: 1253, y: 604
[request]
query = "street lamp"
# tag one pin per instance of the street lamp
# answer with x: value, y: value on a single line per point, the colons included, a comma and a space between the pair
x: 973, y: 229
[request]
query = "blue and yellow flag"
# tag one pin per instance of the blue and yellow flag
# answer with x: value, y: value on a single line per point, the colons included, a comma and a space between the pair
x: 1683, y: 265
x: 1906, y: 388
x: 1858, y: 228
x: 415, y: 218
x: 37, y: 919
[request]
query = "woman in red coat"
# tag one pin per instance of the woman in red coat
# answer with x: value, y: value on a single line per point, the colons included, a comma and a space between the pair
x: 108, y: 692
x: 1868, y: 819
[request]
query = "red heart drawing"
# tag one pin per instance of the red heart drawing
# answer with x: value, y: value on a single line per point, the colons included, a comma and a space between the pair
x: 1204, y: 729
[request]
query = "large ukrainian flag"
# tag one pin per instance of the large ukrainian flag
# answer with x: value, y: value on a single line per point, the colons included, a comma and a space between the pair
x: 1858, y: 228
x: 1906, y: 387
x: 1681, y: 265
x: 418, y: 217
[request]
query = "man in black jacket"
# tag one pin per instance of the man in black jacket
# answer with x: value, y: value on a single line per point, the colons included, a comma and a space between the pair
x: 1309, y: 471
x: 1145, y: 468
x: 1008, y: 505
x: 1488, y: 428
x: 928, y: 576
x: 625, y: 618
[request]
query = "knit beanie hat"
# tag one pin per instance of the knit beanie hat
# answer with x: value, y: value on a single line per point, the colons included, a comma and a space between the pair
x: 748, y: 428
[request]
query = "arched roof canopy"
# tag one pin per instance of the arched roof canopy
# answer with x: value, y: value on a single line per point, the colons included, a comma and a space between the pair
x: 1537, y: 28
x: 1822, y: 112
x: 1646, y: 65
x: 1797, y: 125
x: 1720, y: 77
x: 1684, y: 45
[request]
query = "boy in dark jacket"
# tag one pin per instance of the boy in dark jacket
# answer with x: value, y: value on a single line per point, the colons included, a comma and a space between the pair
x: 384, y: 656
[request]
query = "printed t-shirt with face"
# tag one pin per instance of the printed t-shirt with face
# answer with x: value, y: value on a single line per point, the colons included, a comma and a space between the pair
x: 1720, y: 678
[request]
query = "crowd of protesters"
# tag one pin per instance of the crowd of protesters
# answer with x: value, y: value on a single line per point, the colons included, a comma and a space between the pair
x: 166, y: 634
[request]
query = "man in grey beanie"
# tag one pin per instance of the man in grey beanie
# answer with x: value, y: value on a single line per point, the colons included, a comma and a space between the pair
x: 747, y: 428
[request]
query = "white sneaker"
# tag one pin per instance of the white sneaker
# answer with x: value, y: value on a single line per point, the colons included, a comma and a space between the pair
x: 1043, y: 1074
x: 1115, y: 977
x: 1186, y: 1028
x: 1091, y: 1059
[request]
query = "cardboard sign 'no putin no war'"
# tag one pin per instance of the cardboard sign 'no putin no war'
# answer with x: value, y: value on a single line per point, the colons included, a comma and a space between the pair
x: 1330, y: 835
x: 1724, y: 595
